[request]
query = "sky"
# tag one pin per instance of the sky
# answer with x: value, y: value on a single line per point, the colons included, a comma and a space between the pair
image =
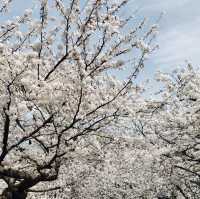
x: 179, y: 31
x: 179, y: 36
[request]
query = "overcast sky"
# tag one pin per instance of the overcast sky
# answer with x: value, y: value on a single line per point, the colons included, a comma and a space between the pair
x: 179, y: 37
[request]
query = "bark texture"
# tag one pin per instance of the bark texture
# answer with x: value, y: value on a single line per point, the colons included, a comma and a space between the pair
x: 13, y: 194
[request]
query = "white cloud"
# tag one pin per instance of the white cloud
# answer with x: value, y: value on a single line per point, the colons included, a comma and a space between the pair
x: 179, y: 37
x: 179, y: 43
x: 160, y: 5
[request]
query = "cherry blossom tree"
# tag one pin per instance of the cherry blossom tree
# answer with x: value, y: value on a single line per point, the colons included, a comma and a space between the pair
x: 124, y: 167
x: 56, y: 87
x: 173, y: 125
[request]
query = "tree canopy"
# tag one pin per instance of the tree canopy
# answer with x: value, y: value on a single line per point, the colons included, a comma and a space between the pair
x: 72, y: 129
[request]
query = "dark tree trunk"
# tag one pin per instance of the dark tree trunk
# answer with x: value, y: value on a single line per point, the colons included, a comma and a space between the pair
x: 13, y: 194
